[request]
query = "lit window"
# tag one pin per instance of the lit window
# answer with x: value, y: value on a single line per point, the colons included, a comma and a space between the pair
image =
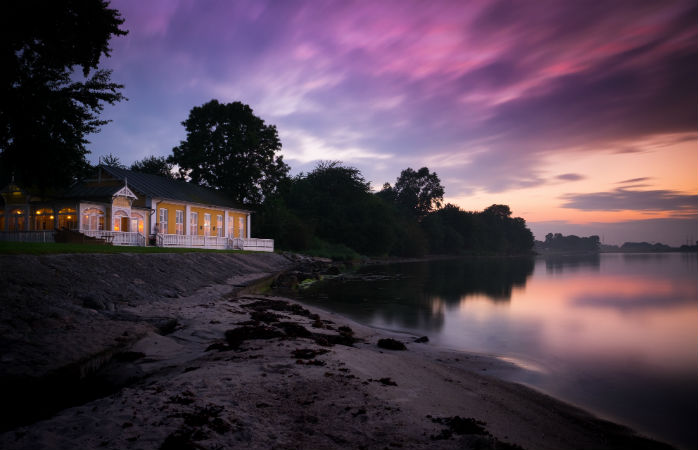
x: 194, y: 223
x: 163, y: 220
x: 207, y: 224
x: 179, y: 221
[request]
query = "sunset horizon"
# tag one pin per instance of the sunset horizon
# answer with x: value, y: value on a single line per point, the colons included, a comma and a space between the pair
x: 581, y: 118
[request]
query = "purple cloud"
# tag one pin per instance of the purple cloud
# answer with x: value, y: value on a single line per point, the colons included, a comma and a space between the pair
x: 623, y: 199
x: 570, y: 177
x: 634, y: 180
x: 478, y: 91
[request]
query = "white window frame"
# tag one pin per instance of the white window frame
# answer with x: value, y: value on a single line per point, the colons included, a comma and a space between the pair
x: 163, y: 220
x: 194, y: 223
x: 139, y: 220
x: 207, y: 224
x: 219, y: 225
x: 179, y: 221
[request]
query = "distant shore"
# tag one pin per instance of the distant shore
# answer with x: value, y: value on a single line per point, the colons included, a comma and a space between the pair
x: 169, y: 352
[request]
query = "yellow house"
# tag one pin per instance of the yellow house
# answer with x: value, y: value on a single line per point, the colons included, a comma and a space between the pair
x: 133, y: 208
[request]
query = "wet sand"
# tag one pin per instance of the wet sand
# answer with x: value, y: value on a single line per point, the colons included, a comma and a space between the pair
x: 255, y: 371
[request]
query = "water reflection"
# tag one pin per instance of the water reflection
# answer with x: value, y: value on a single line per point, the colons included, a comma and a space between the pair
x: 561, y: 263
x: 418, y: 295
x: 613, y: 333
x: 493, y: 277
x: 641, y: 258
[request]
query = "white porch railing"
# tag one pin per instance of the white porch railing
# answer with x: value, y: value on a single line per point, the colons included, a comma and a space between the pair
x: 27, y: 236
x: 117, y: 237
x: 221, y: 243
x: 253, y: 244
x: 188, y: 241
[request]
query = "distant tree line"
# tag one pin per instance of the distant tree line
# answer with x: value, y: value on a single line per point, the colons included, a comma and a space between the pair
x: 559, y: 243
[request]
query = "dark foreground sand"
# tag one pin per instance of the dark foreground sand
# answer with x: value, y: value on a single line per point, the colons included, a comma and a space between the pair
x: 206, y: 366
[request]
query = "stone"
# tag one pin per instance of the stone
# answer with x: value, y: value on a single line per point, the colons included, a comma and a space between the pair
x: 391, y: 344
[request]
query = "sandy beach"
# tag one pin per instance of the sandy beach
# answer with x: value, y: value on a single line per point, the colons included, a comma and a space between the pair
x: 210, y: 365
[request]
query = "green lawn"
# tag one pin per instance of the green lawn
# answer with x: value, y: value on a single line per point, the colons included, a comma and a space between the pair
x: 36, y: 248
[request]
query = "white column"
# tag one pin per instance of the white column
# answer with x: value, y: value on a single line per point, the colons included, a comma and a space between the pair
x: 153, y: 223
x: 187, y: 219
x: 249, y: 225
x: 225, y: 222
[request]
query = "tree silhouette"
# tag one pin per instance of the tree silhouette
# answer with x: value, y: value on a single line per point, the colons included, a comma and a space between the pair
x: 48, y: 109
x: 417, y: 191
x: 154, y: 165
x: 229, y: 148
x: 111, y: 160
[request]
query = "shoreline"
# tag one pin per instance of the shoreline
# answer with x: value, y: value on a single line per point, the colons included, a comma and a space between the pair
x: 291, y: 381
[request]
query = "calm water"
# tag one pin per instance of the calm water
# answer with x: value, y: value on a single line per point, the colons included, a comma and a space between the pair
x: 616, y: 334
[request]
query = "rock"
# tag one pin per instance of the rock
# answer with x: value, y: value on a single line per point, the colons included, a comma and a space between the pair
x: 237, y: 336
x: 461, y: 426
x: 264, y: 316
x: 391, y: 344
x: 328, y: 340
x: 387, y: 381
x: 308, y: 353
x: 285, y: 281
x: 293, y: 329
x: 165, y: 325
x: 422, y: 340
x: 92, y: 302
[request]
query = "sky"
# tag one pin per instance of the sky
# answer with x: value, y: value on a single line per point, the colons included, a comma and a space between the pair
x: 582, y: 116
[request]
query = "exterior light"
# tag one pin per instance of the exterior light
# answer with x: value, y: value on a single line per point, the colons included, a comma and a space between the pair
x: 68, y: 217
x: 51, y: 217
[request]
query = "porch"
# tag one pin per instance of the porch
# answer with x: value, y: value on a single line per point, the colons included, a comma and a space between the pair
x: 214, y: 242
x: 117, y: 237
x: 161, y: 240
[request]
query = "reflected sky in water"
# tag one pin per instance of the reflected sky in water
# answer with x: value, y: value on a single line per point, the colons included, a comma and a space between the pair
x: 614, y: 333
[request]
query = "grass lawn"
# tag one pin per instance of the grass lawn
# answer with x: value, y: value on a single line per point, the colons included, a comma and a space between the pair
x: 40, y: 248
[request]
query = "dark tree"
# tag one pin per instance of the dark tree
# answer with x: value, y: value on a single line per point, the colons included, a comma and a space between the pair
x: 154, y: 165
x: 47, y: 106
x: 111, y: 160
x: 420, y: 192
x: 229, y: 148
x: 451, y: 230
x: 498, y: 211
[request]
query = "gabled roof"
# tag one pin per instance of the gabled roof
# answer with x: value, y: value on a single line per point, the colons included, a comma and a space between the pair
x: 155, y: 186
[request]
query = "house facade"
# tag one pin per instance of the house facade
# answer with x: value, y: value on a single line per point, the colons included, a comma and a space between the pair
x: 132, y: 208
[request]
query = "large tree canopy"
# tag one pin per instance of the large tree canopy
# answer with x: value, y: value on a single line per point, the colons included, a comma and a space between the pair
x: 417, y: 191
x: 47, y: 108
x: 229, y: 148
